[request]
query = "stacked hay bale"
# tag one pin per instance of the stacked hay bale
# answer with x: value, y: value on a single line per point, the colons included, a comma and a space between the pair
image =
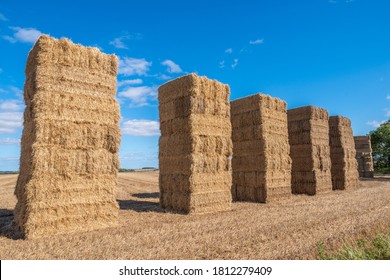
x: 261, y: 162
x: 364, y: 156
x: 71, y: 136
x: 342, y: 154
x: 308, y: 131
x: 195, y: 145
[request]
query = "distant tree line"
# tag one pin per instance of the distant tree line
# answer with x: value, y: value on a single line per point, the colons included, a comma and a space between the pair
x: 380, y: 143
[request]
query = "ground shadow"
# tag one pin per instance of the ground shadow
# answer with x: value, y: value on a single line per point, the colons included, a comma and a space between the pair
x: 147, y: 195
x: 377, y: 179
x: 139, y: 205
x: 7, y: 228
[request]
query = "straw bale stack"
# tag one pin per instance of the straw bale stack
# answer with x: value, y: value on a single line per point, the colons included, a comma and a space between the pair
x: 364, y: 156
x: 342, y: 154
x: 71, y: 136
x: 261, y: 162
x: 308, y: 131
x: 195, y: 145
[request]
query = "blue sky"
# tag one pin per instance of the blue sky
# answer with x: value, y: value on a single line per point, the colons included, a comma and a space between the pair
x: 333, y: 54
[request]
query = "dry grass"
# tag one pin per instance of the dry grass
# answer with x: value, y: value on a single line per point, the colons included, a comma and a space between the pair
x: 281, y: 230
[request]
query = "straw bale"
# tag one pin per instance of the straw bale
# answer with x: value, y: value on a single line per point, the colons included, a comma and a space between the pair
x: 70, y: 141
x: 364, y: 156
x: 261, y: 163
x: 342, y: 153
x: 195, y: 145
x: 308, y: 130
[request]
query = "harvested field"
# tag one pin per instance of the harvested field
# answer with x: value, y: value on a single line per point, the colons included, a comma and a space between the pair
x: 281, y: 230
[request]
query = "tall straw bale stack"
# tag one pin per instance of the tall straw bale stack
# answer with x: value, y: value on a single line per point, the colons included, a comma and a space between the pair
x: 364, y: 156
x: 308, y: 130
x: 261, y: 162
x: 195, y: 145
x: 342, y: 154
x: 71, y: 136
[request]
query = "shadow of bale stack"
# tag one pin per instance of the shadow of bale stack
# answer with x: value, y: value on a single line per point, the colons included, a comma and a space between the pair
x: 195, y: 145
x: 71, y: 136
x: 308, y: 130
x: 342, y: 154
x: 261, y: 163
x: 364, y: 156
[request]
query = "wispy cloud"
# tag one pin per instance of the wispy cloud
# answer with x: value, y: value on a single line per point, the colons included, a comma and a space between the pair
x: 235, y: 63
x: 9, y: 141
x: 388, y: 97
x: 332, y: 1
x: 129, y: 82
x: 129, y: 66
x: 375, y: 124
x: 172, y: 67
x: 2, y: 90
x: 163, y: 77
x: 2, y: 17
x: 229, y: 50
x: 10, y: 122
x: 139, y: 96
x: 141, y: 128
x: 10, y: 105
x: 118, y: 43
x: 256, y: 42
x: 24, y: 35
x: 222, y: 64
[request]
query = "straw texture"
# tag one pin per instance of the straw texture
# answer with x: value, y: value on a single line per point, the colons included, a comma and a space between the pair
x: 70, y: 141
x: 342, y: 154
x: 195, y: 145
x: 364, y: 156
x: 308, y: 131
x: 261, y: 163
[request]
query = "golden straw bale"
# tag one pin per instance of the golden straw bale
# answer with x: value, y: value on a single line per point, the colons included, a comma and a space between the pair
x: 195, y: 145
x: 364, y: 156
x: 261, y: 162
x: 70, y: 141
x: 308, y: 130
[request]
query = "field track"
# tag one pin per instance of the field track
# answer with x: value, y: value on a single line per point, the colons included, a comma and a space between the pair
x: 287, y: 229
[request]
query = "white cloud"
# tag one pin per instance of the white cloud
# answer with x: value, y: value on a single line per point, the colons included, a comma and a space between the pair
x: 2, y: 17
x: 9, y: 141
x: 256, y: 42
x: 10, y: 105
x: 229, y: 50
x: 24, y: 35
x: 129, y: 82
x: 172, y: 66
x: 388, y: 97
x: 129, y: 66
x: 118, y: 43
x: 222, y: 64
x: 163, y: 77
x: 375, y: 123
x: 235, y: 63
x: 10, y: 122
x: 139, y: 96
x: 141, y: 128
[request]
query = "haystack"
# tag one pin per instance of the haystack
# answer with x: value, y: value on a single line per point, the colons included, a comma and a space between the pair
x: 342, y: 154
x: 71, y: 136
x: 364, y: 156
x: 195, y: 145
x: 308, y: 131
x: 261, y: 153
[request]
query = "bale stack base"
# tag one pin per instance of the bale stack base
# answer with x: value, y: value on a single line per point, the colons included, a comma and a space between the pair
x: 261, y: 163
x: 308, y: 130
x: 342, y: 154
x: 69, y: 155
x: 195, y: 145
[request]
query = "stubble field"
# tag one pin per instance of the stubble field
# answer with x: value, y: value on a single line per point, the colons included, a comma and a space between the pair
x: 286, y: 229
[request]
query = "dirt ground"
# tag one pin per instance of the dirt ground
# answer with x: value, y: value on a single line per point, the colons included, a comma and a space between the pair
x: 287, y: 229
